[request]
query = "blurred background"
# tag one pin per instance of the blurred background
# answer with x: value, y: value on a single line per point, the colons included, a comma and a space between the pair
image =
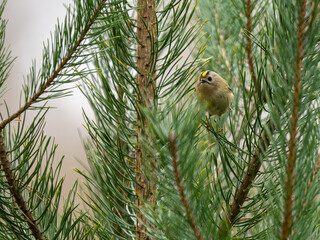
x: 29, y: 25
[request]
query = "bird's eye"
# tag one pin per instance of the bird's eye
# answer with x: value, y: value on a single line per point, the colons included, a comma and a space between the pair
x: 210, y: 79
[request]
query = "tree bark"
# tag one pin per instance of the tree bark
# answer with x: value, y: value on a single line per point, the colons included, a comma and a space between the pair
x: 146, y: 55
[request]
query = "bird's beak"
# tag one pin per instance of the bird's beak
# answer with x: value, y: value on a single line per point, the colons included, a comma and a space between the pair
x: 203, y: 81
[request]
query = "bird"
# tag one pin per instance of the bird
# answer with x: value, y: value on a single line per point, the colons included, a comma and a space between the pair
x: 213, y: 90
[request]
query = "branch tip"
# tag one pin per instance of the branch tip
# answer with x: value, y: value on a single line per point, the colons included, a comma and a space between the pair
x: 173, y: 150
x: 287, y: 216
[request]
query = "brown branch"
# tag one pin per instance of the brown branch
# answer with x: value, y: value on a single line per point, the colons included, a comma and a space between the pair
x: 245, y: 186
x: 173, y: 149
x: 251, y: 174
x: 57, y: 71
x: 16, y: 194
x: 287, y: 218
x: 249, y: 43
x: 264, y: 141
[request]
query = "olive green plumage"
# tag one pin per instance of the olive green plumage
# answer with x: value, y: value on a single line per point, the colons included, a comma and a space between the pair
x: 215, y: 91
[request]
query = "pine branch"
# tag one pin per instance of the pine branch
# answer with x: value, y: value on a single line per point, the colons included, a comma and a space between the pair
x: 245, y: 186
x: 173, y: 149
x: 16, y: 194
x: 264, y: 142
x: 60, y: 67
x: 249, y: 43
x: 287, y: 218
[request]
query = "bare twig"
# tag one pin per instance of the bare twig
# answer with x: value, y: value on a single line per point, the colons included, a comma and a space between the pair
x: 287, y: 218
x: 16, y: 193
x: 173, y: 149
x: 60, y: 67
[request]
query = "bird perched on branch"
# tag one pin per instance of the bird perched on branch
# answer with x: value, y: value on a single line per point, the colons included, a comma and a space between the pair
x: 215, y: 91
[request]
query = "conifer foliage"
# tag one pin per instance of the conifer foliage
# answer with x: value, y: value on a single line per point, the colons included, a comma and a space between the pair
x: 158, y: 168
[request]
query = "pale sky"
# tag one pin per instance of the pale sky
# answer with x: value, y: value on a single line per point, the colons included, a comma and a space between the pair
x: 30, y: 23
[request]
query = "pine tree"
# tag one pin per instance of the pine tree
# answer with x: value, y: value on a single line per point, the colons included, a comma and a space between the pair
x: 158, y: 168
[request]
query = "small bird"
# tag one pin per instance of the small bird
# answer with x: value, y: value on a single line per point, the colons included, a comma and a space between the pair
x: 214, y: 90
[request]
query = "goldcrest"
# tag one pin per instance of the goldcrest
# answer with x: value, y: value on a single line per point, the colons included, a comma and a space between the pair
x: 215, y: 91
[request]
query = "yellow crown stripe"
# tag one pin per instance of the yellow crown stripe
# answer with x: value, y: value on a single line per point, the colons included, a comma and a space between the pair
x: 204, y: 74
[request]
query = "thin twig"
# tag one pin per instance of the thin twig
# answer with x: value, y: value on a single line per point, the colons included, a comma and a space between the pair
x: 249, y: 44
x: 16, y: 193
x: 57, y: 71
x: 173, y: 149
x: 287, y: 218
